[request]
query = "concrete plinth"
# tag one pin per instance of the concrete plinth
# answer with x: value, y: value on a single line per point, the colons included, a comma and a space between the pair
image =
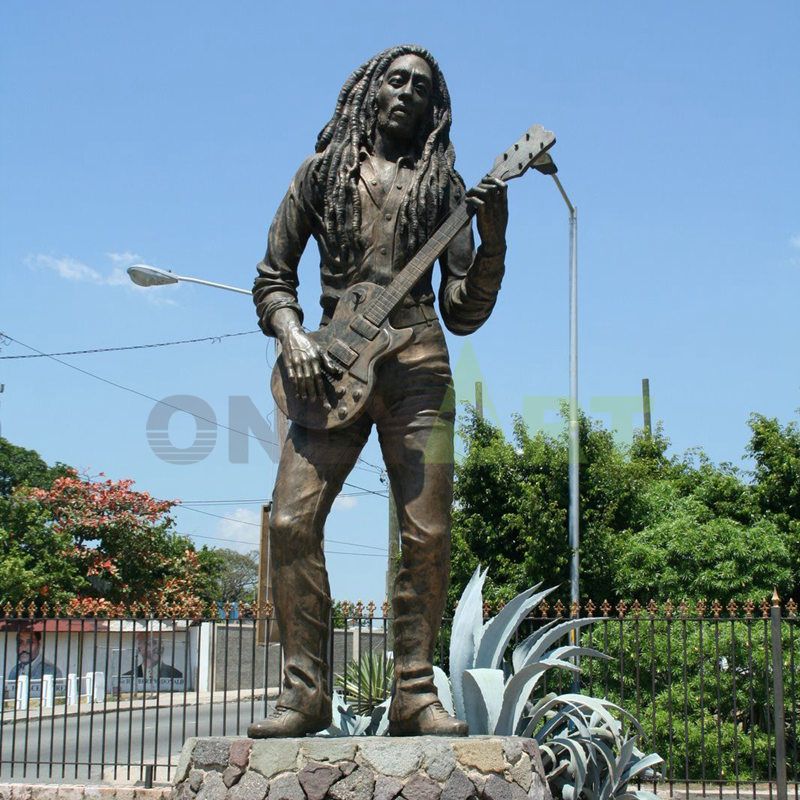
x: 361, y: 768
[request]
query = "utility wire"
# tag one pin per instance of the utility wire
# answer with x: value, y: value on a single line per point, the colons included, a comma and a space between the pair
x: 170, y: 405
x: 128, y: 347
x: 255, y: 545
x: 257, y: 501
x: 258, y: 525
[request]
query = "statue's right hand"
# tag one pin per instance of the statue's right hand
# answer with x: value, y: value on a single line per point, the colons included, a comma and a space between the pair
x: 305, y: 363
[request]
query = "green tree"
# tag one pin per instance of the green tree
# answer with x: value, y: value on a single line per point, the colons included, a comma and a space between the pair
x: 236, y: 575
x: 20, y: 466
x: 651, y: 525
x: 97, y: 545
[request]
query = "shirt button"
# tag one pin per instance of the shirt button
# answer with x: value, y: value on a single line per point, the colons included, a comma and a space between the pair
x: 388, y: 217
x: 383, y: 251
x: 374, y: 182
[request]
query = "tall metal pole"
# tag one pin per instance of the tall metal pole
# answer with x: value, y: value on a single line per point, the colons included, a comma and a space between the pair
x: 648, y: 423
x: 574, y: 428
x: 264, y: 595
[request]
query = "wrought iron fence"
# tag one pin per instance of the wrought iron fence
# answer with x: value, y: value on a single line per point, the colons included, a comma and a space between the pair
x: 91, y: 699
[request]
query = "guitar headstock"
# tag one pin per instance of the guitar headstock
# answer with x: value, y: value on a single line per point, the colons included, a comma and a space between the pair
x: 515, y: 161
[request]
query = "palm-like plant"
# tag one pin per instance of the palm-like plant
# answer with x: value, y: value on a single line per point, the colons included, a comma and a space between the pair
x: 367, y: 681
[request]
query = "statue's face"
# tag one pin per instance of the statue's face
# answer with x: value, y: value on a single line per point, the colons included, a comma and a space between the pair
x: 404, y: 96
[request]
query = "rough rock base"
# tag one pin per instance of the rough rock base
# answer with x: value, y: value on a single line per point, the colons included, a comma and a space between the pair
x: 361, y: 768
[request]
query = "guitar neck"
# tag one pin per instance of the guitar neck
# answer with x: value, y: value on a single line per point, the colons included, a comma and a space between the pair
x: 391, y: 297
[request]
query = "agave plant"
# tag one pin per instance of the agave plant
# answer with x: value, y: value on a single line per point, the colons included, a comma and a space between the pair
x: 585, y: 752
x: 368, y: 679
x: 348, y: 722
x: 487, y: 691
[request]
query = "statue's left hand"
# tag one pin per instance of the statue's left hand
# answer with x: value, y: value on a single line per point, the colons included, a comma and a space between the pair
x: 489, y: 199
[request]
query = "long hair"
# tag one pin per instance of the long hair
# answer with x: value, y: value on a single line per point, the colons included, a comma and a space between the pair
x: 352, y: 127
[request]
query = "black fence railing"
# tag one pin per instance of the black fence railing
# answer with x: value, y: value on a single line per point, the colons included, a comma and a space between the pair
x: 95, y: 699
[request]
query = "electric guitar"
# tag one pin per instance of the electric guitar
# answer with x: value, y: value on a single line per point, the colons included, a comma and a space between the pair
x: 359, y: 336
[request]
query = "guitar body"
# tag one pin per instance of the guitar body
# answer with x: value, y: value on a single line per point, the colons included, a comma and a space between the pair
x: 347, y: 395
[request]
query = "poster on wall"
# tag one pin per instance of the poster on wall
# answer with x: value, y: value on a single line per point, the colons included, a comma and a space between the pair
x: 94, y: 658
x: 156, y: 664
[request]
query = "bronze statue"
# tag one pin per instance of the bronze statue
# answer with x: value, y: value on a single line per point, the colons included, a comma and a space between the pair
x: 381, y: 182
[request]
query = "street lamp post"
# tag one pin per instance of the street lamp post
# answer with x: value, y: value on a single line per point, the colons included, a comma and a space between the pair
x: 574, y: 427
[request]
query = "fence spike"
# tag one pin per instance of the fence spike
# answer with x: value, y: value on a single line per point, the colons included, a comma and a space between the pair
x: 765, y: 607
x: 683, y: 609
x: 590, y: 608
x: 732, y: 608
x: 544, y: 607
x: 776, y: 600
x: 621, y: 609
x: 559, y: 608
x: 652, y: 608
x: 716, y: 608
x: 749, y: 608
x: 605, y: 608
x: 636, y: 608
x: 701, y: 608
x: 359, y: 609
x: 385, y: 608
x: 575, y: 609
x: 669, y: 608
x: 371, y: 609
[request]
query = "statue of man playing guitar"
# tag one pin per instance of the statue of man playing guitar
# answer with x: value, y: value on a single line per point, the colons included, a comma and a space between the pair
x: 380, y: 183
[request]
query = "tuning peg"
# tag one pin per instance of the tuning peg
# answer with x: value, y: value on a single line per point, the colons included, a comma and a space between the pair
x: 545, y: 164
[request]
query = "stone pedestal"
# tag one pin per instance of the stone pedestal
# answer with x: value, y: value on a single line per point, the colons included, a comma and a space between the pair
x: 361, y: 768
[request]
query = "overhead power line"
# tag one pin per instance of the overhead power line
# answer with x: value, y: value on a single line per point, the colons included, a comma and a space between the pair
x: 255, y: 545
x: 258, y: 525
x: 128, y: 347
x: 258, y: 500
x: 178, y: 408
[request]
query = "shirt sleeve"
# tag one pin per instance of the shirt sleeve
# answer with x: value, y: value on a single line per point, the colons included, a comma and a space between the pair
x: 277, y: 281
x: 470, y: 281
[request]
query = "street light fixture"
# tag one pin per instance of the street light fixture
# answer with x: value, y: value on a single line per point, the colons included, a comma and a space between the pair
x: 147, y: 275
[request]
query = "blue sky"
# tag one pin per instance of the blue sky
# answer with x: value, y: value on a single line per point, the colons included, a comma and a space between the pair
x: 168, y: 133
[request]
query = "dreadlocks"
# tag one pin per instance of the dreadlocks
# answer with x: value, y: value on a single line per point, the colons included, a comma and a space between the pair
x: 353, y: 127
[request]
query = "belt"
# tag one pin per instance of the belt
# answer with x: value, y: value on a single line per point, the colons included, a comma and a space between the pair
x: 404, y: 317
x: 414, y: 315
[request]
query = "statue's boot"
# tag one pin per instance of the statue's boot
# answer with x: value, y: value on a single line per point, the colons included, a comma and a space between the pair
x: 419, y: 600
x: 286, y: 722
x: 433, y: 720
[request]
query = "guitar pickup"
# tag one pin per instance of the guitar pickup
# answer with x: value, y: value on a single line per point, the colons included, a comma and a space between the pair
x: 342, y: 353
x: 363, y: 327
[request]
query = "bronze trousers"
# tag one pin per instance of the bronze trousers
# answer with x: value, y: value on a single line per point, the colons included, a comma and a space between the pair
x: 413, y: 408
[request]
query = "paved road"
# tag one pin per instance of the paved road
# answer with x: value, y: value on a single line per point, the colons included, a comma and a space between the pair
x: 97, y: 741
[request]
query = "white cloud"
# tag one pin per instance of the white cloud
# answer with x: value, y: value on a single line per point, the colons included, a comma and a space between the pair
x: 344, y: 503
x: 124, y: 259
x: 68, y: 268
x: 240, y: 530
x: 794, y: 241
x: 72, y: 269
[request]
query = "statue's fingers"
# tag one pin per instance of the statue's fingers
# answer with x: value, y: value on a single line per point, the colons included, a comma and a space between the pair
x: 302, y: 391
x: 319, y: 386
x: 495, y: 182
x: 308, y: 375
